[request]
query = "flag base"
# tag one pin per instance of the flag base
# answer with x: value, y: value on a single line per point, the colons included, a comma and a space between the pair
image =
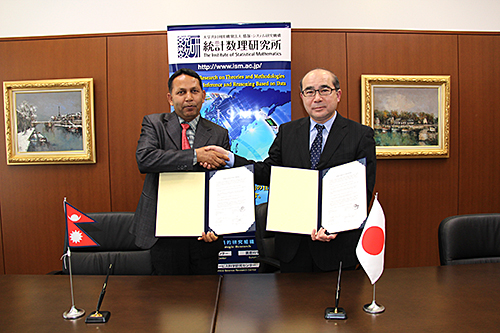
x: 73, y: 313
x: 98, y: 317
x: 335, y: 313
x: 373, y: 308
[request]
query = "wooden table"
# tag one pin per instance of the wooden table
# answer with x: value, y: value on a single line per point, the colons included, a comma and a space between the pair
x: 35, y: 303
x: 461, y: 298
x: 425, y: 299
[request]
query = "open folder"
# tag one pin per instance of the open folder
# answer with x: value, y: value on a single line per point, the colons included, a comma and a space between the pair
x: 301, y: 200
x: 221, y: 201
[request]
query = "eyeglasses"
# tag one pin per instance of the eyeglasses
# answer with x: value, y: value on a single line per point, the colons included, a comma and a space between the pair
x: 324, y: 91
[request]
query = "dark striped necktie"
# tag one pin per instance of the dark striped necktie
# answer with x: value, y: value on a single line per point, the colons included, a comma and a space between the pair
x: 315, y: 151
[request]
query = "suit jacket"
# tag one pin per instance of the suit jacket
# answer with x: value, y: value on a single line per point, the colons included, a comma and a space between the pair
x: 347, y: 142
x: 159, y: 150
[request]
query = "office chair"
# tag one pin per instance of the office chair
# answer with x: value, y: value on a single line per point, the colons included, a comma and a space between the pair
x: 269, y: 263
x: 117, y: 246
x: 469, y: 239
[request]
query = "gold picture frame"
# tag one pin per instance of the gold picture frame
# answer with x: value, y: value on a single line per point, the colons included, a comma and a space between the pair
x: 49, y: 121
x: 409, y: 114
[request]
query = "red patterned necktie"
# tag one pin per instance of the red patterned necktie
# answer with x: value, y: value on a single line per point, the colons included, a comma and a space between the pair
x: 185, y: 141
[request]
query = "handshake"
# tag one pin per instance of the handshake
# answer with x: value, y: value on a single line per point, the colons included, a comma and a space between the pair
x: 212, y: 157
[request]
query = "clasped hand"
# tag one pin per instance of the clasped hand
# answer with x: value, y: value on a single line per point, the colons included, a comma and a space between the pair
x: 212, y: 157
x: 322, y: 236
x: 221, y: 157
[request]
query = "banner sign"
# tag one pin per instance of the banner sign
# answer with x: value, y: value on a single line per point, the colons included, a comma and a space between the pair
x: 246, y: 73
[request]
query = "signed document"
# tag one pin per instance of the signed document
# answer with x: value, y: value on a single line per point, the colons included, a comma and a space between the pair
x: 343, y: 204
x: 301, y: 200
x: 231, y: 206
x: 221, y: 201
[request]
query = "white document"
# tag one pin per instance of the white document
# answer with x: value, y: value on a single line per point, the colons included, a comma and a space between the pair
x: 232, y: 201
x: 344, y: 197
x: 185, y: 197
x: 300, y: 200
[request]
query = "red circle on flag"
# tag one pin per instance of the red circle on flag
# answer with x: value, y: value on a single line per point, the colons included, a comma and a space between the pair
x: 373, y: 240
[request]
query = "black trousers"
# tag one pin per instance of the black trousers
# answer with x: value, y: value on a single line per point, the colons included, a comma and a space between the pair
x: 185, y: 256
x: 303, y: 260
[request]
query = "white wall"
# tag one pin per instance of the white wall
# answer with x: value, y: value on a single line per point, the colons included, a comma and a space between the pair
x: 19, y: 18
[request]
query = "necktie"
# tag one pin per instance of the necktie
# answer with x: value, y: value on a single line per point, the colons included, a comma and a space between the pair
x: 315, y: 151
x: 185, y: 141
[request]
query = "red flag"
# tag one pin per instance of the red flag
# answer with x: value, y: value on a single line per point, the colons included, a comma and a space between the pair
x: 371, y: 245
x: 76, y: 236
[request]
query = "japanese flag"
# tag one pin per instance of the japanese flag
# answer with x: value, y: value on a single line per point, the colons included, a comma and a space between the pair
x: 371, y: 245
x: 76, y: 236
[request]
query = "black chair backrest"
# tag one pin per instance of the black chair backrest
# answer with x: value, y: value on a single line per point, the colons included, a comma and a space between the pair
x: 469, y: 239
x: 116, y: 246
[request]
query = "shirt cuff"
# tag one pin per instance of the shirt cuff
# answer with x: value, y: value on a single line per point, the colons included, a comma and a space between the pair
x: 230, y: 163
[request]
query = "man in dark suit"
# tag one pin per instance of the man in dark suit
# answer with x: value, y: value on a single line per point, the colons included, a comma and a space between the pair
x: 160, y: 149
x: 342, y: 141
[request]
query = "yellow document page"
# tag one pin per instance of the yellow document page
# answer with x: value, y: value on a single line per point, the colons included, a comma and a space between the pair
x: 293, y: 200
x: 181, y: 204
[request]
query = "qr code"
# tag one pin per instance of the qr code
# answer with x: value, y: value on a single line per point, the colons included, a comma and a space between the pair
x: 188, y: 46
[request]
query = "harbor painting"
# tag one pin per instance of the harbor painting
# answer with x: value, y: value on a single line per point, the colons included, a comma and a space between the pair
x: 49, y: 121
x: 409, y: 115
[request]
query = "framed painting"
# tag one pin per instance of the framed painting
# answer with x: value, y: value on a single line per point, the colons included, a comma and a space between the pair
x: 49, y: 121
x: 410, y: 115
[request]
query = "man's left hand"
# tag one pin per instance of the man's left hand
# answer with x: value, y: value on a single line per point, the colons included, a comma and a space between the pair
x: 322, y: 236
x: 208, y: 237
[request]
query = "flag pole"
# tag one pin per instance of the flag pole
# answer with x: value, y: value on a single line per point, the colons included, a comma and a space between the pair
x: 373, y: 307
x: 72, y: 313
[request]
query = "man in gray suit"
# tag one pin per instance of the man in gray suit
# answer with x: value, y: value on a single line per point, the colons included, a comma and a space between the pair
x: 342, y: 141
x: 160, y: 150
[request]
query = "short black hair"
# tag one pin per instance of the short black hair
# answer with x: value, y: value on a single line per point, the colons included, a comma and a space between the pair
x: 185, y: 71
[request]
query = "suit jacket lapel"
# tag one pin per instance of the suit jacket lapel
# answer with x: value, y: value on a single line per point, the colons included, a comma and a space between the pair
x: 337, y: 134
x: 203, y: 134
x: 173, y: 128
x: 302, y: 146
